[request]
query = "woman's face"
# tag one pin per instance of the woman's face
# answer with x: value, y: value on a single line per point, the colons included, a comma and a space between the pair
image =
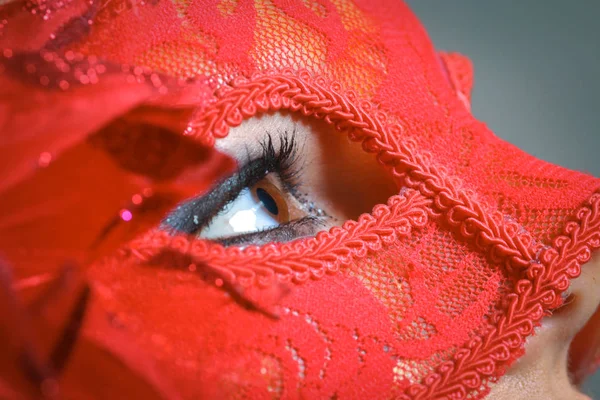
x: 393, y: 300
x: 320, y: 190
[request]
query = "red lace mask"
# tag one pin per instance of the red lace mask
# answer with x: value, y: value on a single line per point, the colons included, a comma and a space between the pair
x: 108, y: 114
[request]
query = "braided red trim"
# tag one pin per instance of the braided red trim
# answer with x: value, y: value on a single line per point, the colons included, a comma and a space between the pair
x: 364, y: 122
x: 438, y: 194
x: 534, y: 295
x: 299, y: 260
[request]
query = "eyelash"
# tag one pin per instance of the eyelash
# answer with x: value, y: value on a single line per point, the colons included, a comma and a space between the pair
x: 194, y: 215
x: 284, y: 161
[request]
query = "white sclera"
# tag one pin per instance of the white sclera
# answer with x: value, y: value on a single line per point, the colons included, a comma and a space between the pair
x: 244, y: 215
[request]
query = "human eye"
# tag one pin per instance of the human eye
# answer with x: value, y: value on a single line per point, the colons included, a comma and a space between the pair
x: 257, y: 204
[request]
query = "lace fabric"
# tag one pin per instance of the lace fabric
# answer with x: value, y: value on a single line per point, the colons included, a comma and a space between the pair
x: 109, y: 113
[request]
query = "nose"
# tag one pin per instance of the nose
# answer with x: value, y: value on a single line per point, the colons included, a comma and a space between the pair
x: 584, y: 352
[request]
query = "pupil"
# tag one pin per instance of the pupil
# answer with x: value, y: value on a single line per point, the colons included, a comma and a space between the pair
x: 268, y: 201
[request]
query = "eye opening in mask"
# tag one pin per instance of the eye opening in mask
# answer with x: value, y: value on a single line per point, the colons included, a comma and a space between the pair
x: 255, y: 205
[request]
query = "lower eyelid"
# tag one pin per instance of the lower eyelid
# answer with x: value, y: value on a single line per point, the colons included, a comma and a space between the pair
x: 305, y: 227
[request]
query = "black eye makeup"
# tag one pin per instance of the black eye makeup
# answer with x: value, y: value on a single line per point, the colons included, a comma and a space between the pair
x: 259, y: 203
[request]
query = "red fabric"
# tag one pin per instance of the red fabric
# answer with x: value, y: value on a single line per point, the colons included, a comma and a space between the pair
x: 108, y: 113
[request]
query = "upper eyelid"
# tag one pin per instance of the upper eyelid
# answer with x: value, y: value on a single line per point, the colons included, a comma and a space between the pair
x: 285, y: 156
x: 205, y: 207
x: 197, y: 213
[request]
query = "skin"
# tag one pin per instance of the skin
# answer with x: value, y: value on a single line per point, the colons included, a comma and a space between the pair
x: 542, y: 372
x: 323, y: 178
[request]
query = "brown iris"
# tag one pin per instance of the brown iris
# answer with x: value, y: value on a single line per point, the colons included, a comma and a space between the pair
x: 272, y: 199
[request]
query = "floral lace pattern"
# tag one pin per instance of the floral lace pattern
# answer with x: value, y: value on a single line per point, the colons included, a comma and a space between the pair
x: 430, y: 296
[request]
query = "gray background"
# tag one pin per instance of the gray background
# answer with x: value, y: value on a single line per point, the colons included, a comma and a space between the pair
x: 537, y: 66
